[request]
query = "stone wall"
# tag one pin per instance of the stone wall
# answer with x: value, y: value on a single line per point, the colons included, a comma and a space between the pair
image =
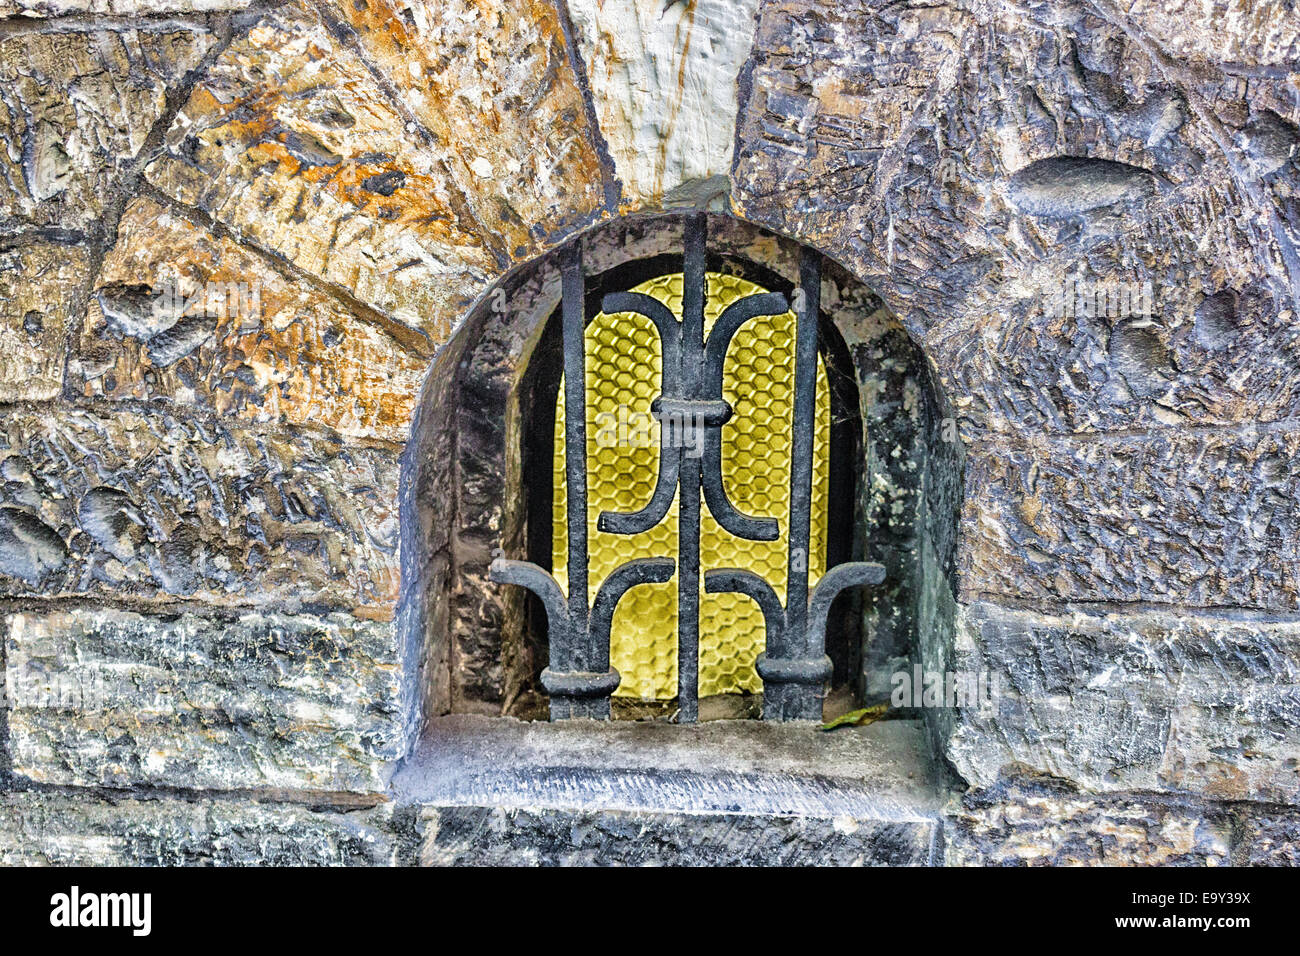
x: 216, y: 624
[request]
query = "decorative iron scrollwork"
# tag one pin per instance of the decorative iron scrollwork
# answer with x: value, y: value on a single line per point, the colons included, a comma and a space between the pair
x: 691, y: 412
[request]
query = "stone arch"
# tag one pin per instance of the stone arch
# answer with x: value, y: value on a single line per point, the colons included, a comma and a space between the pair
x: 464, y: 495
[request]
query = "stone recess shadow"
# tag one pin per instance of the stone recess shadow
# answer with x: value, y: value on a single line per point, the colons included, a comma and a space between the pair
x: 492, y: 791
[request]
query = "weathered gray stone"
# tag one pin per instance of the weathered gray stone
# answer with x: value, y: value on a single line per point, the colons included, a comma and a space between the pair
x: 897, y: 138
x: 1181, y: 517
x: 118, y: 8
x: 49, y: 829
x: 40, y: 283
x: 1131, y: 700
x: 730, y: 791
x: 1026, y: 824
x: 113, y: 698
x: 192, y: 319
x: 291, y: 141
x: 1267, y: 838
x: 1060, y: 187
x: 5, y: 777
x: 499, y: 836
x: 1158, y: 327
x: 865, y: 113
x: 155, y: 505
x: 1126, y: 536
x: 77, y: 109
x: 1220, y: 31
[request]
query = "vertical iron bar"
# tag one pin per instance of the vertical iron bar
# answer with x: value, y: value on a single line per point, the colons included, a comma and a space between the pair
x: 794, y: 671
x: 576, y: 655
x: 807, y: 304
x: 688, y: 525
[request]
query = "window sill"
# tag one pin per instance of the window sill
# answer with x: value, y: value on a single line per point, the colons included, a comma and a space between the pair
x: 497, y: 790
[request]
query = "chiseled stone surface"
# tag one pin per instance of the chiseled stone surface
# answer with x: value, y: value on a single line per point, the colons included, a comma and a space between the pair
x: 1219, y: 31
x: 77, y: 109
x: 289, y: 139
x: 664, y: 80
x: 118, y: 8
x: 1029, y: 824
x: 497, y: 80
x: 1199, y: 518
x: 155, y: 505
x: 183, y: 315
x: 999, y: 146
x: 831, y: 88
x: 842, y: 106
x: 1142, y: 700
x: 114, y: 698
x: 731, y: 792
x: 61, y: 829
x: 1268, y: 838
x: 881, y: 770
x: 500, y: 836
x: 40, y: 284
x: 1218, y: 346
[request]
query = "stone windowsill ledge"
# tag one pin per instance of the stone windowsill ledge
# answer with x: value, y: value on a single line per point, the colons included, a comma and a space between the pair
x: 879, y: 772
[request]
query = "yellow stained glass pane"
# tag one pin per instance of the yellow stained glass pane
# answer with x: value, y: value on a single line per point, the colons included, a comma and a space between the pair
x: 623, y: 363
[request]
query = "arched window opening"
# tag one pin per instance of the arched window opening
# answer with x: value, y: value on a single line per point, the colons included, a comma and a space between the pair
x: 702, y: 614
x: 482, y: 482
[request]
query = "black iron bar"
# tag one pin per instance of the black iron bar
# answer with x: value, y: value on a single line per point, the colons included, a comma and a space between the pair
x: 688, y: 520
x: 575, y: 434
x: 802, y: 423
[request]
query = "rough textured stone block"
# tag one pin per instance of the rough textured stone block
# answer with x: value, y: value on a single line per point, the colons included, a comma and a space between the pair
x: 40, y: 284
x: 1132, y: 701
x: 154, y: 505
x: 104, y: 697
x: 664, y: 81
x: 1194, y: 518
x: 1212, y: 340
x: 721, y: 793
x: 1268, y: 839
x: 118, y: 8
x: 819, y: 110
x: 992, y: 145
x: 39, y: 829
x: 1129, y: 486
x: 185, y: 316
x: 528, y: 161
x: 1030, y: 825
x: 848, y: 103
x: 289, y: 139
x: 77, y: 108
x: 499, y: 836
x: 1220, y: 31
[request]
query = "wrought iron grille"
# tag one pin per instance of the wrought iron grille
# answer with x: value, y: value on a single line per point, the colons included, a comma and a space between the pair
x: 691, y: 413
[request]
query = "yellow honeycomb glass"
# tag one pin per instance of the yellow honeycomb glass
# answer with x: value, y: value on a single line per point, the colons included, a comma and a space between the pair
x: 623, y: 363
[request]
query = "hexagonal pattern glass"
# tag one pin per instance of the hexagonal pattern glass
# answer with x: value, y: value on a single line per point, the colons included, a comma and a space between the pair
x: 623, y: 363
